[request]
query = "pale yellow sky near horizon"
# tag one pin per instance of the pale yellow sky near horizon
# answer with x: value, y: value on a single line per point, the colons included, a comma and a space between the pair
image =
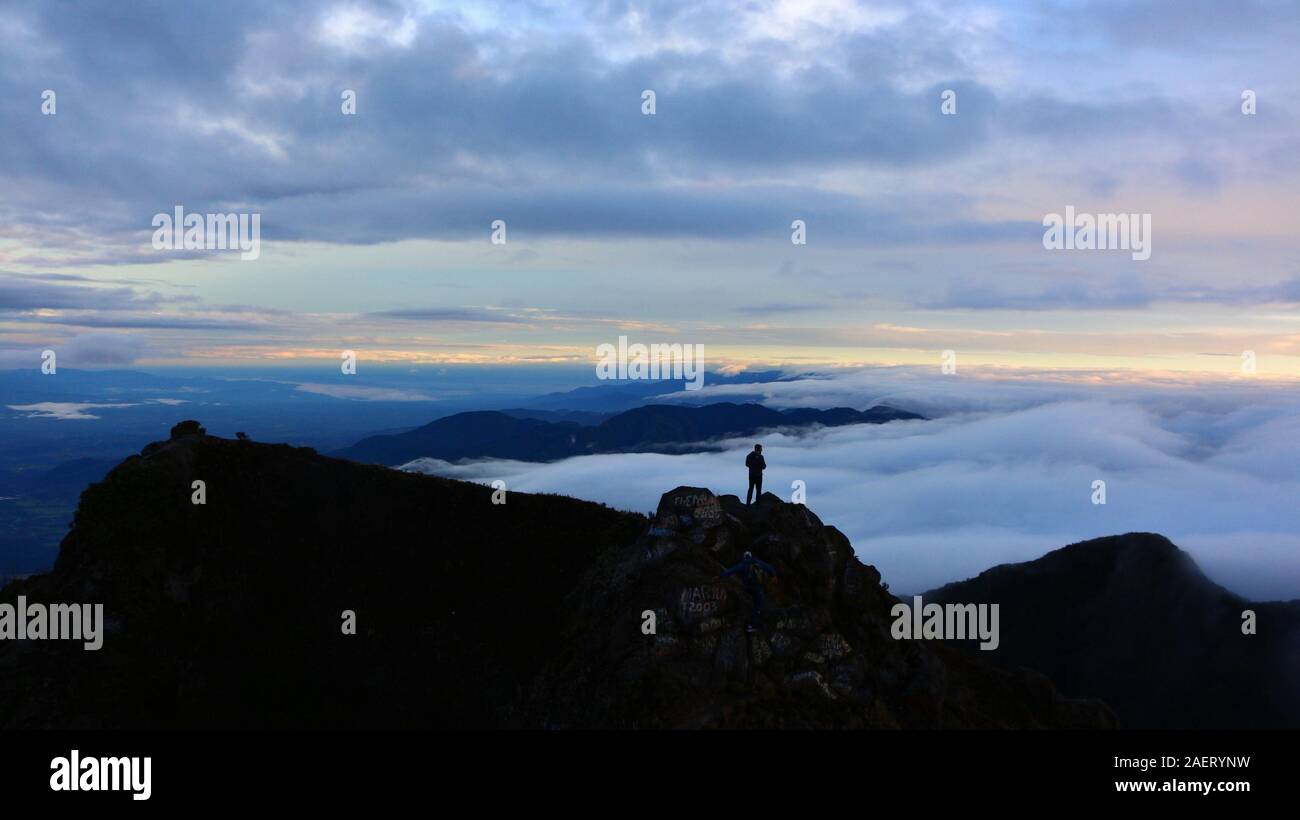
x: 730, y: 359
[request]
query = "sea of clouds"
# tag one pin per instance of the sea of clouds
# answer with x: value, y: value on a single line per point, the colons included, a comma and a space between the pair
x: 1002, y: 472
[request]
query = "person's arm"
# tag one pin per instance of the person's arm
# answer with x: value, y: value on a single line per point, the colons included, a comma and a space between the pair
x: 766, y: 567
x: 730, y: 571
x: 762, y: 463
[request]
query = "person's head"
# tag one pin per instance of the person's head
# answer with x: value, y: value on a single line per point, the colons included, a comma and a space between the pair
x: 758, y: 448
x: 748, y: 555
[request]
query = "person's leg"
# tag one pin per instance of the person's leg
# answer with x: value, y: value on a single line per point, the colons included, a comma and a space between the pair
x: 756, y: 609
x: 758, y: 486
x: 749, y: 494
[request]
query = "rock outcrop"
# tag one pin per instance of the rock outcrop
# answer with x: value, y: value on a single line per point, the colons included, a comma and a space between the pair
x: 822, y: 658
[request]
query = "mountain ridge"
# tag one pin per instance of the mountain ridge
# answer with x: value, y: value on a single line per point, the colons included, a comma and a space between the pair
x: 650, y: 428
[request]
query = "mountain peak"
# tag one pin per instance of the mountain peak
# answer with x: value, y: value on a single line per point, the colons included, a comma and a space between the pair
x: 1133, y: 620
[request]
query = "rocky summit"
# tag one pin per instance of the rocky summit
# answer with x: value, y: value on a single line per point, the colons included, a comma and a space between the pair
x: 468, y: 612
x: 823, y: 656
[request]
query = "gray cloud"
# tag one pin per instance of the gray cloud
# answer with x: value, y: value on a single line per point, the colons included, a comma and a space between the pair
x: 447, y: 315
x: 83, y: 350
x: 460, y: 126
x: 1119, y: 294
x: 173, y: 321
x: 23, y: 293
x: 777, y: 308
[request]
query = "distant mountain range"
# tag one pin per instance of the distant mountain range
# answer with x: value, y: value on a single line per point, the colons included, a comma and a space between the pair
x: 584, y: 417
x: 1132, y: 620
x: 652, y: 428
x: 617, y: 396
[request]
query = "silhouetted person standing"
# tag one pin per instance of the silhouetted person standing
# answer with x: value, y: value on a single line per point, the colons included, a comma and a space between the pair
x: 754, y: 461
x: 750, y: 570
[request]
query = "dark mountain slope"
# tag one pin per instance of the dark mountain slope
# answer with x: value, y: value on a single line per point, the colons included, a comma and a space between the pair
x: 1132, y: 620
x: 659, y: 424
x: 654, y: 428
x: 479, y: 434
x: 469, y: 613
x: 229, y: 613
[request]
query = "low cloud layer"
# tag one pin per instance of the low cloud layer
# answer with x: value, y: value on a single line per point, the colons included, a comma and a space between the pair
x: 1004, y: 473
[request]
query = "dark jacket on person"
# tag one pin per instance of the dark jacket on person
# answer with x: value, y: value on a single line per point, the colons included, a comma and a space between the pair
x: 755, y: 463
x: 748, y: 570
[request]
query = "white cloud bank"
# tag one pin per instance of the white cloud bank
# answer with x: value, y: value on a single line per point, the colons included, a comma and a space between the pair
x: 1003, y: 472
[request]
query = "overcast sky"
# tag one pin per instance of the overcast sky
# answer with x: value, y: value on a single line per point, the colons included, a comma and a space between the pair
x: 924, y: 230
